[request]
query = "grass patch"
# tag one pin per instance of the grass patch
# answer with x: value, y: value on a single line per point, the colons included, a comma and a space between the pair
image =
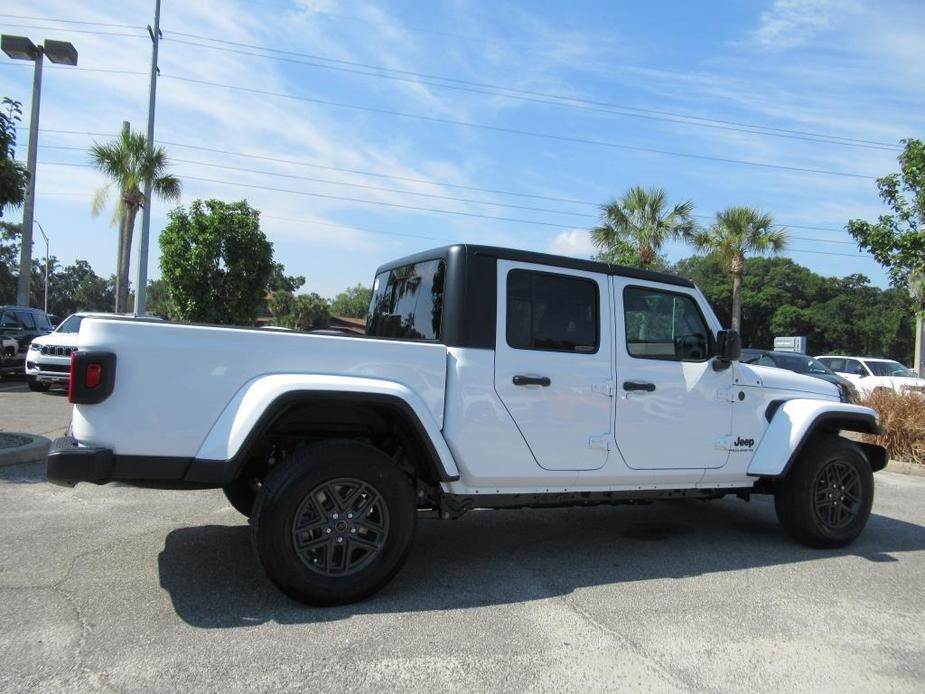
x: 903, y: 419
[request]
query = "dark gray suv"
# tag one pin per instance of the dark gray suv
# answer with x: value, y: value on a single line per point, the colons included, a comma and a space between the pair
x: 19, y: 325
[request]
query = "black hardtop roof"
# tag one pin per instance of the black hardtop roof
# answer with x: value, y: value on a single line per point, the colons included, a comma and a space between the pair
x: 539, y: 259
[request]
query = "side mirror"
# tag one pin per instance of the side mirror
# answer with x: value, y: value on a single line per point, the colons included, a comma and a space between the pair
x: 728, y: 348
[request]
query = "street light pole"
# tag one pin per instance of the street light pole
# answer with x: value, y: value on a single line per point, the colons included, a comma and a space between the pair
x: 61, y: 52
x: 44, y: 236
x: 141, y: 277
x: 28, y: 208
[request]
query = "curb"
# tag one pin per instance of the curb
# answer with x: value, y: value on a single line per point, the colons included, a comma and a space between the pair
x: 905, y: 468
x: 34, y: 451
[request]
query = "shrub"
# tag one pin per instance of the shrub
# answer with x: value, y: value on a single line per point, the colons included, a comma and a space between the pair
x: 903, y: 419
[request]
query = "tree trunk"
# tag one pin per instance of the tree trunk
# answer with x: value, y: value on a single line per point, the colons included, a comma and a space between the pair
x: 121, y: 241
x: 128, y: 229
x: 737, y: 302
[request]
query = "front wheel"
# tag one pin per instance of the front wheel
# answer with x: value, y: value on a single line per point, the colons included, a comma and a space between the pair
x: 37, y: 386
x: 826, y: 498
x: 334, y: 523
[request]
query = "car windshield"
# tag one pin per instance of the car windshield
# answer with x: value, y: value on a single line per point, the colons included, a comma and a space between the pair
x: 800, y: 363
x: 888, y: 367
x: 70, y: 325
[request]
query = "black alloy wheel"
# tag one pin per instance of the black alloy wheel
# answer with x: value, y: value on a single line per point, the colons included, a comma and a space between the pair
x: 341, y: 527
x: 837, y: 494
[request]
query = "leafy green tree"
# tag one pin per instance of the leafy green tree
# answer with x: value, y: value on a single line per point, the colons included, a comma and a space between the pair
x: 353, y: 302
x: 9, y: 261
x: 13, y: 175
x: 158, y: 299
x: 305, y: 312
x: 736, y: 233
x: 781, y: 297
x: 129, y: 164
x: 216, y: 262
x: 280, y: 280
x: 76, y: 287
x: 897, y: 240
x: 280, y: 304
x: 634, y: 228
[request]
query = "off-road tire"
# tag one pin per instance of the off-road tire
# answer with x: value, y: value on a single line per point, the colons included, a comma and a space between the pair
x: 241, y: 494
x: 36, y: 386
x: 293, y: 486
x: 811, y: 501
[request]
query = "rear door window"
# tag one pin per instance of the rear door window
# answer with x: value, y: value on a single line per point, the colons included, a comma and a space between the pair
x: 555, y: 313
x: 407, y: 302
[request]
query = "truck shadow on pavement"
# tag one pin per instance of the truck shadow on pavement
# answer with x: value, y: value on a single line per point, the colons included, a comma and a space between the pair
x: 503, y: 557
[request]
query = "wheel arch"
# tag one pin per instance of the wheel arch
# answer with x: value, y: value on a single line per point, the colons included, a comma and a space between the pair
x: 793, y: 423
x: 267, y: 402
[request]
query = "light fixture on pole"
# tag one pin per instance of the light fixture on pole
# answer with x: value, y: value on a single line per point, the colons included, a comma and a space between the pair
x: 63, y: 53
x: 44, y: 236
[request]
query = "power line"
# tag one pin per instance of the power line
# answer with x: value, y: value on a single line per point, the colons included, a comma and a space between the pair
x: 407, y: 207
x: 70, y: 31
x: 533, y: 96
x: 72, y: 21
x: 517, y: 131
x: 72, y: 68
x: 415, y: 193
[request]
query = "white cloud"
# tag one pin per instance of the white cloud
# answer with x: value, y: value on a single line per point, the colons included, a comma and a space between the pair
x: 575, y: 243
x: 791, y: 23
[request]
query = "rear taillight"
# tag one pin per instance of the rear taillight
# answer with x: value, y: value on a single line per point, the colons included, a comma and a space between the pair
x: 93, y: 376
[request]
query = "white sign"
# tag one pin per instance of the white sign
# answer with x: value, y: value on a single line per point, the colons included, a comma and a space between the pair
x: 790, y: 344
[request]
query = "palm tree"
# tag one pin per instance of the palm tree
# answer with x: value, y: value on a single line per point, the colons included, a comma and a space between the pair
x: 129, y: 163
x: 737, y: 232
x: 642, y: 222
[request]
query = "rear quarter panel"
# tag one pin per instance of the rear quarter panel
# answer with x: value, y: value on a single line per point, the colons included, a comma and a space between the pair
x: 173, y: 380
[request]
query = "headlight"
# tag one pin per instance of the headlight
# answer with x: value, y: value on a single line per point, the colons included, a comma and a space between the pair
x: 34, y: 347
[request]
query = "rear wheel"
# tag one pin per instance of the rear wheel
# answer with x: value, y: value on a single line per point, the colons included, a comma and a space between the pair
x: 37, y: 386
x: 826, y: 498
x: 334, y: 523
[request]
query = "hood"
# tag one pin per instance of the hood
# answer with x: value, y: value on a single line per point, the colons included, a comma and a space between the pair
x: 57, y: 339
x: 782, y: 379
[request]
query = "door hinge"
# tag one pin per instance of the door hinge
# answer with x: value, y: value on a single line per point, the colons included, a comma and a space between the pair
x: 602, y: 442
x: 606, y: 388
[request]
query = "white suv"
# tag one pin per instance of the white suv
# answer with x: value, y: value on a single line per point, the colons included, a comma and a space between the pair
x: 48, y: 360
x: 870, y: 375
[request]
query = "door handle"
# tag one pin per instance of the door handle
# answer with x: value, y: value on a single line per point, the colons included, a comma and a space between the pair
x: 531, y: 381
x: 638, y: 385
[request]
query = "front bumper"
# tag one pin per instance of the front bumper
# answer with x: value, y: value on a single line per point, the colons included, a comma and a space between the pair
x: 70, y: 463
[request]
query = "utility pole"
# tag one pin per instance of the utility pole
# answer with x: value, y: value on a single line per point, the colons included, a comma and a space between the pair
x: 141, y: 277
x: 917, y: 289
x: 44, y: 236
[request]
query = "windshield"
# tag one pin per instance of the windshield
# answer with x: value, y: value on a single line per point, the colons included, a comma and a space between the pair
x: 888, y: 367
x: 71, y: 324
x: 800, y: 363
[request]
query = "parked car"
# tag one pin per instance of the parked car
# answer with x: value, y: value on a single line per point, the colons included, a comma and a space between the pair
x: 48, y: 360
x: 21, y: 324
x: 801, y: 364
x: 869, y: 374
x: 488, y: 378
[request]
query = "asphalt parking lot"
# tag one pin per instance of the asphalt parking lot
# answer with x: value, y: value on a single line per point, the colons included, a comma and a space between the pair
x: 117, y: 588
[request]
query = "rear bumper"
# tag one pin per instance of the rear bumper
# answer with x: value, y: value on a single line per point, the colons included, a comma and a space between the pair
x: 69, y: 463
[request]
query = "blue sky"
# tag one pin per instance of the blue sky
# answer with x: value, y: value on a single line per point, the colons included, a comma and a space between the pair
x: 335, y: 171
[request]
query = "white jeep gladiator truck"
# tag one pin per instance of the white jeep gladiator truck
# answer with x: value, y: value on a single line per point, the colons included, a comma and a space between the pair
x: 488, y: 378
